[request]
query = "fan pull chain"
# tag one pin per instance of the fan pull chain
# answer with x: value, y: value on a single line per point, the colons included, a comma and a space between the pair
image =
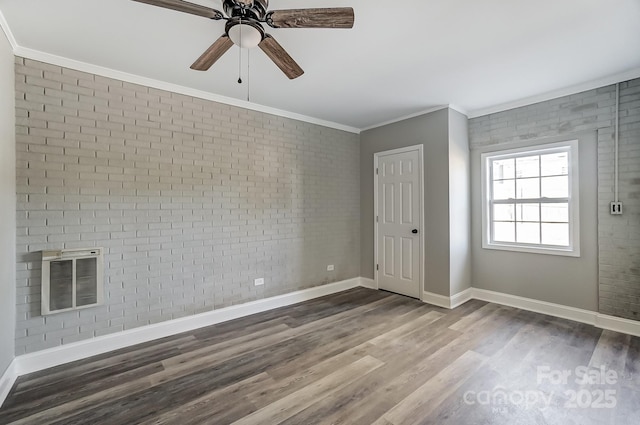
x: 240, y: 55
x: 248, y: 75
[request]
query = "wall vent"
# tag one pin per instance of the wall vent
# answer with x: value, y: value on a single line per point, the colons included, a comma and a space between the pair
x: 72, y: 279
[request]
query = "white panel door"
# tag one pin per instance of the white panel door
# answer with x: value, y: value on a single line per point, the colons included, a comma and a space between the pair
x: 398, y: 221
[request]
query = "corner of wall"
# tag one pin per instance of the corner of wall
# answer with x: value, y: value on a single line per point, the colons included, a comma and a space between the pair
x: 8, y: 202
x: 459, y: 203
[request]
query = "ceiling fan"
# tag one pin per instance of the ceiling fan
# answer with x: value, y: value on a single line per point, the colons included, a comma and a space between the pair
x: 244, y: 27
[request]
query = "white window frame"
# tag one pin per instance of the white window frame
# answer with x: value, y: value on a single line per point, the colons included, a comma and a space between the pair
x: 573, y: 250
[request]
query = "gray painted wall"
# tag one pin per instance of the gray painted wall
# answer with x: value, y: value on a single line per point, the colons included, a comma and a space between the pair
x: 441, y: 157
x: 7, y: 204
x: 563, y: 280
x: 619, y: 236
x: 616, y: 239
x: 192, y: 200
x: 459, y: 202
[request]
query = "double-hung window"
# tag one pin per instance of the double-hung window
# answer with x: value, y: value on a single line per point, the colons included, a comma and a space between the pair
x: 531, y: 199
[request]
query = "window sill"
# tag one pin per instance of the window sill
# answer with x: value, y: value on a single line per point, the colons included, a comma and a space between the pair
x: 568, y: 252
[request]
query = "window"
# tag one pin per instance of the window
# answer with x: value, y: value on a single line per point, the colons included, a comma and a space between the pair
x: 531, y: 199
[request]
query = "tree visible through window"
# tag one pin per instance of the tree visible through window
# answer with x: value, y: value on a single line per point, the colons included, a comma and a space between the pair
x: 530, y: 198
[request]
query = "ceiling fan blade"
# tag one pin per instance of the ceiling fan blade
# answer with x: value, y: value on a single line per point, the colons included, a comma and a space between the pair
x: 280, y: 57
x: 213, y: 53
x: 337, y: 17
x: 186, y: 7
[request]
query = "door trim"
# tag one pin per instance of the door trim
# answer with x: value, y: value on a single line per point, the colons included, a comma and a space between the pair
x: 421, y: 239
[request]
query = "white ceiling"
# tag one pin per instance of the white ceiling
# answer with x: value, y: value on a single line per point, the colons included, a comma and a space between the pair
x: 401, y: 57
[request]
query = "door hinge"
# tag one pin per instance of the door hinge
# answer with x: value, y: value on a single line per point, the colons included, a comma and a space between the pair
x: 377, y: 267
x: 377, y: 171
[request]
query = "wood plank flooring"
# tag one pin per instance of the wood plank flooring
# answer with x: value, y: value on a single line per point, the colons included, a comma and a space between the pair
x: 357, y: 357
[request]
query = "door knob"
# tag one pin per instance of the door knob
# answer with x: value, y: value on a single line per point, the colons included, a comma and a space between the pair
x: 414, y: 231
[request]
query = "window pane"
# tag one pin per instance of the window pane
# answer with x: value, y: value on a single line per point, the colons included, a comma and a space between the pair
x: 528, y: 188
x: 528, y: 212
x: 555, y: 164
x: 555, y: 212
x: 555, y: 187
x: 503, y: 169
x: 504, y: 212
x: 504, y: 232
x: 61, y: 285
x: 555, y: 234
x: 504, y: 189
x: 528, y: 166
x: 528, y: 232
x: 86, y: 281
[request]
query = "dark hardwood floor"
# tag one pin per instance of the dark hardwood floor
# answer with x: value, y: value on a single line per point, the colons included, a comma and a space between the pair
x: 358, y: 357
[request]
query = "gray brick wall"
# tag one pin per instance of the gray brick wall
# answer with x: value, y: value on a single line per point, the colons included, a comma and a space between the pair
x: 619, y: 236
x: 192, y: 200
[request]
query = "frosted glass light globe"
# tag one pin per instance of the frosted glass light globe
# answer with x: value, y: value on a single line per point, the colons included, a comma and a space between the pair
x: 245, y: 36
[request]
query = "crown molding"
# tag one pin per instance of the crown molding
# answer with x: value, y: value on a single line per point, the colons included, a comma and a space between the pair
x: 459, y: 109
x: 137, y: 79
x: 555, y: 94
x: 40, y: 56
x: 157, y: 84
x: 7, y: 31
x: 417, y: 114
x: 406, y: 117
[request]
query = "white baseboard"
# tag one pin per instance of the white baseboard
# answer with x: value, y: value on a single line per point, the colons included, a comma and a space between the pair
x: 557, y: 310
x: 596, y: 319
x: 447, y: 302
x: 436, y: 299
x: 6, y: 381
x: 365, y: 282
x: 461, y: 298
x: 618, y: 324
x: 44, y: 359
x: 603, y: 321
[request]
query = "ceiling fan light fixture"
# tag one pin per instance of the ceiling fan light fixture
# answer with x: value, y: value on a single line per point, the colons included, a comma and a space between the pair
x: 244, y: 28
x: 245, y: 36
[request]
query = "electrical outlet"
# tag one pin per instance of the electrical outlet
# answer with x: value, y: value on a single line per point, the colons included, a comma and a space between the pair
x: 616, y: 208
x: 330, y: 268
x: 259, y: 282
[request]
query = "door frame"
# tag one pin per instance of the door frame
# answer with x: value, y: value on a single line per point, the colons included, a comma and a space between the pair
x: 376, y: 214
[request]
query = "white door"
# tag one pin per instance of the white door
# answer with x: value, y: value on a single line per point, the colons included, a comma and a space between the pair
x: 398, y: 220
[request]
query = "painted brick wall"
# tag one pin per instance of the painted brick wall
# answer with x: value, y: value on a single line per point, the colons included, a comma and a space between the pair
x: 191, y: 200
x: 619, y: 236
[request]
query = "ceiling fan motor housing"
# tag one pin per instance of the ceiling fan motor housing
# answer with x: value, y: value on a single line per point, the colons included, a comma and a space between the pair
x: 254, y: 9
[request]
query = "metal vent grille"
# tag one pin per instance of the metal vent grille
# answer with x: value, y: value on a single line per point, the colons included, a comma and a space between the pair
x: 71, y: 279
